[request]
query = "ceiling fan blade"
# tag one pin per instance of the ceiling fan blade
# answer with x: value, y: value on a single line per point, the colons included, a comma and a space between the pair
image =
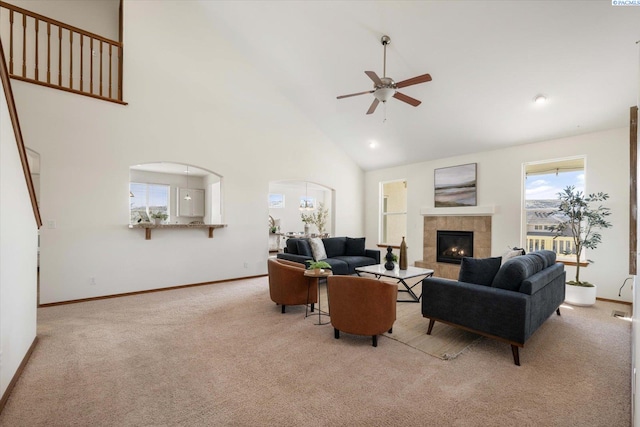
x: 354, y: 94
x: 374, y: 104
x: 407, y: 99
x: 414, y: 81
x: 373, y: 76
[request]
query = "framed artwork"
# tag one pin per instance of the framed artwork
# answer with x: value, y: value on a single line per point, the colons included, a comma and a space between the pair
x: 307, y: 202
x: 276, y: 201
x: 455, y: 186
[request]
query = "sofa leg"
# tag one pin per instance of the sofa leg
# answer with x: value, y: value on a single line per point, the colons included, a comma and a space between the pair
x: 431, y: 323
x: 391, y: 330
x: 516, y: 355
x: 336, y: 333
x: 558, y: 311
x: 375, y: 340
x: 283, y: 308
x: 312, y: 308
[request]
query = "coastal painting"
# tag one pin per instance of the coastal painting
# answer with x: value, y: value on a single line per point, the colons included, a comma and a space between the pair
x: 455, y: 186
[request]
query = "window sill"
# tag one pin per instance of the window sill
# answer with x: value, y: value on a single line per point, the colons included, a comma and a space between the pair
x: 573, y: 263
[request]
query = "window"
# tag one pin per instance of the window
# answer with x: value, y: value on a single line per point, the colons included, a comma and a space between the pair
x: 393, y: 212
x: 146, y: 199
x: 543, y: 182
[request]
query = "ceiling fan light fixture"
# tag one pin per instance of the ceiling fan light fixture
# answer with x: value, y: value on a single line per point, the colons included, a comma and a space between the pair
x: 384, y: 94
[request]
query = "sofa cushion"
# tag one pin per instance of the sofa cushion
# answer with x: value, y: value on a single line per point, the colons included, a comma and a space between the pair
x: 354, y: 247
x: 516, y: 270
x: 548, y: 257
x: 480, y: 271
x: 356, y: 261
x: 304, y: 248
x: 334, y: 246
x: 338, y: 266
x: 292, y: 246
x: 317, y: 248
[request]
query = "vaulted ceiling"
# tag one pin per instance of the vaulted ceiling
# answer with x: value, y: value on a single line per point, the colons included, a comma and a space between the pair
x: 488, y: 60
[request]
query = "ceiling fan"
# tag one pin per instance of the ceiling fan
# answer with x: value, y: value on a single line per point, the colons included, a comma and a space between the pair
x: 385, y: 88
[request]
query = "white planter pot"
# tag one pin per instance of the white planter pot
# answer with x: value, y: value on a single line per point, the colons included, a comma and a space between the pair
x: 580, y: 295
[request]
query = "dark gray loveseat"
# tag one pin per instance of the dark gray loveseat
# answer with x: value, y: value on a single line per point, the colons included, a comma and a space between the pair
x: 507, y: 303
x: 344, y: 254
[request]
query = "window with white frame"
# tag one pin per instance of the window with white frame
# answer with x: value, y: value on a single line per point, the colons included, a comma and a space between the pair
x: 146, y: 199
x: 543, y: 181
x: 393, y: 212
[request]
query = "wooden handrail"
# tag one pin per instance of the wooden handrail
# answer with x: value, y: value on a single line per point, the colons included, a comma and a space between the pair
x: 68, y: 51
x: 58, y: 23
x: 11, y: 105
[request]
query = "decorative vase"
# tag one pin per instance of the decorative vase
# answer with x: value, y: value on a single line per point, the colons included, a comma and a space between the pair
x: 306, y: 229
x: 158, y: 221
x: 389, y: 257
x: 403, y: 255
x: 580, y: 295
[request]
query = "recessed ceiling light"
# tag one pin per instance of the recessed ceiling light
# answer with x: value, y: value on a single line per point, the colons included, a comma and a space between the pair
x: 373, y: 144
x: 540, y: 99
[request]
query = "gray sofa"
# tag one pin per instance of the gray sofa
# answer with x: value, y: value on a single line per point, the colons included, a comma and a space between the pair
x: 344, y: 254
x: 508, y: 303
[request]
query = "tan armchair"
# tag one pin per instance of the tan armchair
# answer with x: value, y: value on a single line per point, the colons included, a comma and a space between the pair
x: 289, y: 286
x: 361, y: 306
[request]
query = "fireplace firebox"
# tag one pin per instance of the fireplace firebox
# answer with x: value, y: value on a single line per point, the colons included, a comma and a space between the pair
x: 453, y: 245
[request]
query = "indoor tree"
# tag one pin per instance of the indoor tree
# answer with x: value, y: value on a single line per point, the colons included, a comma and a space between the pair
x: 583, y: 221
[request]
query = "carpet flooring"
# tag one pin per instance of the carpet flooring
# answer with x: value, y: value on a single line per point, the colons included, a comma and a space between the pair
x: 223, y: 354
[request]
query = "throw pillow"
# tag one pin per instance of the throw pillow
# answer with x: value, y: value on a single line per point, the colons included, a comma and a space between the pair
x: 512, y: 253
x: 355, y: 247
x: 480, y: 271
x: 317, y: 248
x: 335, y: 246
x: 304, y: 248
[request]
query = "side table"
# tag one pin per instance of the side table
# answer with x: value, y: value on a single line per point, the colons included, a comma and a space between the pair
x: 315, y: 276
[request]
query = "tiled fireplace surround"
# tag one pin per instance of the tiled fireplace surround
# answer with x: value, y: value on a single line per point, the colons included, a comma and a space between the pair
x: 481, y: 227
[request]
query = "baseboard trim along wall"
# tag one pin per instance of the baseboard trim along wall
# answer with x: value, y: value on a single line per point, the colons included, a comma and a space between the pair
x: 126, y: 294
x: 14, y: 380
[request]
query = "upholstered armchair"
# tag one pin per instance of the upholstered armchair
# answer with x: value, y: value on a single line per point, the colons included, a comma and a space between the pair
x: 361, y: 306
x: 289, y: 286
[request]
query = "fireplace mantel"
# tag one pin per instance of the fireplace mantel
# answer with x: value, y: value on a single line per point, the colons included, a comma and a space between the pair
x: 487, y: 210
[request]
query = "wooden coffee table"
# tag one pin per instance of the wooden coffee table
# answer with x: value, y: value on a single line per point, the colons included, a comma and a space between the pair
x: 401, y: 276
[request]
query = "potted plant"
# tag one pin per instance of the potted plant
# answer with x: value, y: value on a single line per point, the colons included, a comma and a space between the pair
x: 318, y: 266
x: 581, y: 221
x: 159, y: 216
x: 318, y: 218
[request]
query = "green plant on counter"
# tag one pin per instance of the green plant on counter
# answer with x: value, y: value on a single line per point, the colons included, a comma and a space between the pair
x: 160, y: 215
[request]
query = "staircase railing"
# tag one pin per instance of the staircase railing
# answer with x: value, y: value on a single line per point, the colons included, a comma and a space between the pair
x: 13, y: 113
x: 51, y: 53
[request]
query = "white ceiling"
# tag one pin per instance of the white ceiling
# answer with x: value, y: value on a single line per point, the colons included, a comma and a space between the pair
x: 488, y: 59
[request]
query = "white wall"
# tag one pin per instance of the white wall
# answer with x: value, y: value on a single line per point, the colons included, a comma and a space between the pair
x: 18, y: 255
x: 500, y: 184
x: 192, y: 100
